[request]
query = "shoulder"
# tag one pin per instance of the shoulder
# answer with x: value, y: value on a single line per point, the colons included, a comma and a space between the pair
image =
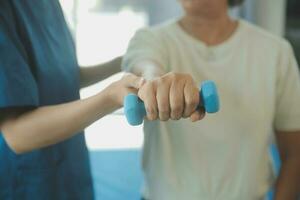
x: 262, y: 38
x: 158, y: 31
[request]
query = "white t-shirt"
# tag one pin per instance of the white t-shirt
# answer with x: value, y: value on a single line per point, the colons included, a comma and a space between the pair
x: 224, y: 156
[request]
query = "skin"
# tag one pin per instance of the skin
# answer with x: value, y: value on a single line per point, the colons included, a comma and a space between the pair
x: 92, y: 74
x: 65, y: 120
x: 208, y: 21
x: 171, y: 96
x: 287, y: 185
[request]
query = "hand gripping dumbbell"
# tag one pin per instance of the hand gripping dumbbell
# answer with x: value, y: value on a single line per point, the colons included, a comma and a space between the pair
x: 135, y: 111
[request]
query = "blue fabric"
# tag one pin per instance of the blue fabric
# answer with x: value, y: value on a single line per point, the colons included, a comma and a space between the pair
x: 38, y: 67
x: 117, y: 174
x: 276, y: 162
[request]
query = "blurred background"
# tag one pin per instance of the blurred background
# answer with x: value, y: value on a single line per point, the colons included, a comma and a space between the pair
x: 102, y: 30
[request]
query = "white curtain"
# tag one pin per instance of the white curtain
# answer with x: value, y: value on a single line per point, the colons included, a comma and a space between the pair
x: 269, y: 14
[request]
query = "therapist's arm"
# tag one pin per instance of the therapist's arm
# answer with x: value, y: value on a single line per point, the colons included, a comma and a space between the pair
x: 288, y: 183
x: 25, y: 130
x: 93, y: 74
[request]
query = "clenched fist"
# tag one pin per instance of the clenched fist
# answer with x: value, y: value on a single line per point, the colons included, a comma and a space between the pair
x: 172, y: 96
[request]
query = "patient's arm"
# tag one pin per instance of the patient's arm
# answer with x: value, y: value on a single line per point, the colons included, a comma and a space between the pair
x: 166, y: 95
x: 149, y: 69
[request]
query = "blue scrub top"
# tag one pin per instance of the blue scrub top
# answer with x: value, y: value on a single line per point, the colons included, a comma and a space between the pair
x: 38, y: 67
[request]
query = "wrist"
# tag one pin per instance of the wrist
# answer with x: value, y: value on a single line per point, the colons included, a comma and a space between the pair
x: 110, y: 94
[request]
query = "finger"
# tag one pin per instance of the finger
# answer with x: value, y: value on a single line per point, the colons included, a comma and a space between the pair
x: 148, y: 94
x: 176, y: 99
x: 191, y: 98
x: 198, y: 115
x: 162, y: 96
x: 133, y: 81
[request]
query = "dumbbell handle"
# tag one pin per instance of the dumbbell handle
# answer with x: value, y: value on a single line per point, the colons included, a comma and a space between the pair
x: 135, y: 111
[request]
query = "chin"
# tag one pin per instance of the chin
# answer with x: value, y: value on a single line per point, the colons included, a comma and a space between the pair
x: 208, y: 8
x: 212, y: 14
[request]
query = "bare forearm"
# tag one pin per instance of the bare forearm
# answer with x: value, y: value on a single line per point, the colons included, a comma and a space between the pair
x: 45, y: 126
x: 288, y: 183
x: 93, y: 74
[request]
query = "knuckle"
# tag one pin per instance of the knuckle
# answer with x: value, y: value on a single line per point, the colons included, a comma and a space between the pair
x: 173, y: 75
x: 175, y: 117
x: 151, y: 110
x: 147, y: 91
x: 186, y: 115
x: 164, y: 112
x: 152, y: 116
x: 163, y: 106
x: 161, y: 81
x: 188, y: 76
x: 177, y: 109
x: 191, y: 102
x: 163, y: 117
x: 151, y: 85
x: 178, y: 118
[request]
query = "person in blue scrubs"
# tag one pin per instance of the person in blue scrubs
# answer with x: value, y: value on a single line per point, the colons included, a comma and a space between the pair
x: 43, y: 155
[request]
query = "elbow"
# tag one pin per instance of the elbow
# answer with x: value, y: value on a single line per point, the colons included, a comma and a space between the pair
x: 14, y: 146
x: 17, y: 150
x: 13, y: 142
x: 13, y: 134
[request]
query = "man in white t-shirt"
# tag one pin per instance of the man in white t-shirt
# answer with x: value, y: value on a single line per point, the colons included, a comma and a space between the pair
x: 225, y: 155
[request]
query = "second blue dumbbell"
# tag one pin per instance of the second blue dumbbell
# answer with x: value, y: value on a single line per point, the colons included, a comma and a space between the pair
x: 135, y: 111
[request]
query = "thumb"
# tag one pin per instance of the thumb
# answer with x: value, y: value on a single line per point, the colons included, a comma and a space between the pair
x: 133, y: 81
x: 198, y: 115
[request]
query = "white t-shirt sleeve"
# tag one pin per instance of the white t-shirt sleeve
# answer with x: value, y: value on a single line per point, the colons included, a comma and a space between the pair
x: 287, y: 111
x: 144, y: 46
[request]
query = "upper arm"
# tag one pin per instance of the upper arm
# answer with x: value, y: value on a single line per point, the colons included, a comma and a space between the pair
x: 288, y: 143
x: 18, y: 86
x: 287, y: 110
x: 287, y: 106
x: 146, y: 52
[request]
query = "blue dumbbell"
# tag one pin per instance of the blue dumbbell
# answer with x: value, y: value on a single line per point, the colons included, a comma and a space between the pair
x: 135, y: 108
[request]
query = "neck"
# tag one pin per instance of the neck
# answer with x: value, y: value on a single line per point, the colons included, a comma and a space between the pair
x: 210, y: 31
